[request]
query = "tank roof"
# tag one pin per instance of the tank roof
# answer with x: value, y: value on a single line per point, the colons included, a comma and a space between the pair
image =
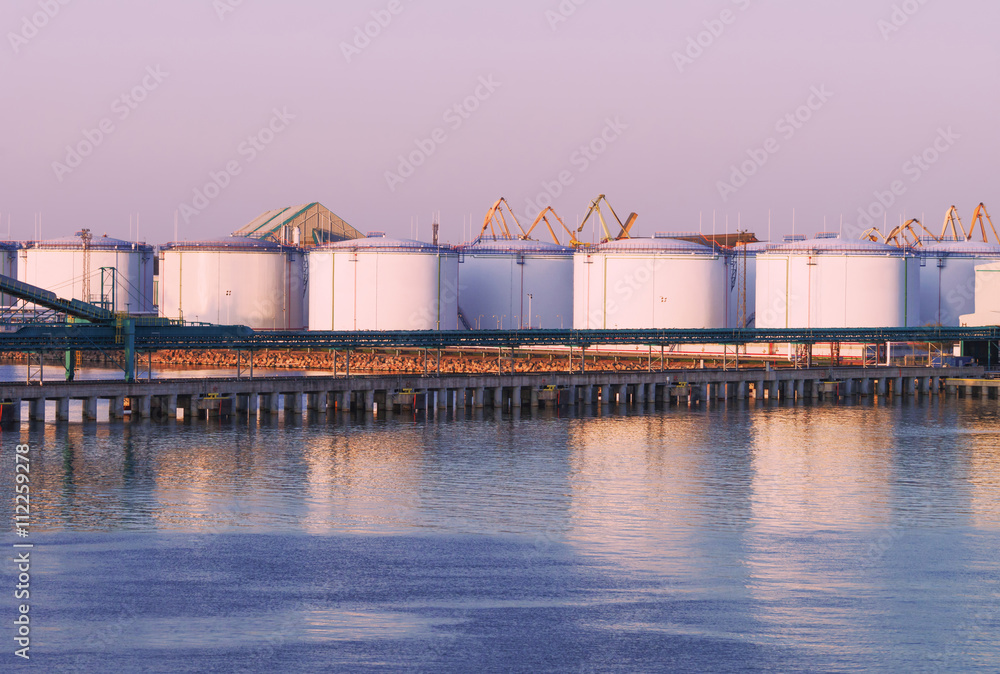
x: 834, y: 246
x: 9, y: 245
x: 960, y: 248
x: 653, y: 246
x: 226, y: 243
x: 489, y: 244
x: 380, y: 242
x: 104, y: 242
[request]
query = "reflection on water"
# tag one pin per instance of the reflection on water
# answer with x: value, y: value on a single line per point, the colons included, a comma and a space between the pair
x: 853, y: 534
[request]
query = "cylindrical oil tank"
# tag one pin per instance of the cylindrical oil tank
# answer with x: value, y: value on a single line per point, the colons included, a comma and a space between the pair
x: 120, y: 278
x: 826, y: 282
x: 512, y: 283
x: 948, y: 278
x: 743, y: 283
x: 234, y: 281
x: 649, y: 283
x: 379, y: 283
x: 8, y: 267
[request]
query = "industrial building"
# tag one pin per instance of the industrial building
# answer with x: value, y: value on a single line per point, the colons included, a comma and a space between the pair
x: 306, y: 225
x: 380, y: 283
x: 109, y: 272
x: 234, y: 281
x: 8, y: 267
x: 515, y: 283
x: 827, y: 282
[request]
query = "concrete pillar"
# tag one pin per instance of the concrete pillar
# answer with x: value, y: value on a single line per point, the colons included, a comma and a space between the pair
x: 880, y: 387
x: 935, y: 386
x: 36, y: 410
x: 758, y: 389
x: 62, y: 409
x: 925, y: 385
x: 498, y: 398
x: 969, y: 392
x: 442, y: 398
x: 897, y: 387
x: 253, y: 402
x: 274, y: 404
x: 461, y: 398
x: 171, y: 401
x: 773, y: 392
x: 640, y: 395
x: 479, y: 397
x: 15, y: 411
x: 516, y: 397
x: 741, y: 390
x: 297, y: 406
x: 721, y: 390
x: 534, y: 396
x: 588, y: 395
x: 141, y: 406
x: 369, y: 401
x: 623, y: 394
x: 316, y: 401
x: 605, y: 395
x: 866, y: 387
x: 800, y: 389
x: 848, y: 388
x: 116, y: 408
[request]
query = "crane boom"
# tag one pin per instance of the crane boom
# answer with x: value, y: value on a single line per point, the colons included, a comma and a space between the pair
x: 624, y: 229
x: 954, y: 222
x: 543, y: 217
x: 979, y: 219
x: 496, y: 221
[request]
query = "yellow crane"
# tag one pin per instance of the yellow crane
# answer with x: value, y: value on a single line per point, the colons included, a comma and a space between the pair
x: 496, y: 221
x: 595, y: 205
x: 979, y: 219
x: 543, y: 217
x: 953, y: 222
x: 908, y: 235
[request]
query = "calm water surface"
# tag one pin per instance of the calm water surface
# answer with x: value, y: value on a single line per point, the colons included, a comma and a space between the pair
x: 739, y: 538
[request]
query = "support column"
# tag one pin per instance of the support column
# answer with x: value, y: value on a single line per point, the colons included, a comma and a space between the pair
x: 758, y: 389
x: 253, y: 403
x: 498, y: 397
x: 623, y: 394
x: 479, y: 397
x: 36, y: 410
x: 274, y: 404
x: 62, y: 409
x: 773, y: 392
x: 171, y: 402
x: 866, y: 387
x: 935, y: 386
x: 296, y: 406
x: 369, y: 401
x: 90, y: 409
x: 141, y: 406
x: 116, y: 408
x: 848, y: 388
x: 925, y: 386
x: 741, y: 390
x: 588, y: 395
x: 461, y: 398
x: 533, y: 401
x: 605, y: 395
x: 721, y: 389
x: 969, y: 392
x: 441, y: 396
x: 15, y: 411
x: 800, y: 389
x: 897, y: 387
x: 516, y: 397
x: 640, y: 395
x: 880, y: 389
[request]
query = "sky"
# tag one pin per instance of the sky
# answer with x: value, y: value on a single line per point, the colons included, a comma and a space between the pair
x: 192, y: 117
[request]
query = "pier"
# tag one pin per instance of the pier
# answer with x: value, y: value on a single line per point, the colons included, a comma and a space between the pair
x: 161, y: 399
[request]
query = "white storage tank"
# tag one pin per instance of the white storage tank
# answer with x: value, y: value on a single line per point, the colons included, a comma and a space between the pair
x: 750, y: 250
x: 650, y: 283
x: 948, y: 278
x: 827, y: 282
x: 379, y: 283
x: 512, y: 283
x: 234, y: 281
x: 8, y: 267
x: 121, y: 272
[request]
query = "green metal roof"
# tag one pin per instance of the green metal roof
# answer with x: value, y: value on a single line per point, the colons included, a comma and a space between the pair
x: 317, y: 224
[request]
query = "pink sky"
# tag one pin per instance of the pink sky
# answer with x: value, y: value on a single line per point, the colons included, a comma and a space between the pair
x: 672, y: 127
